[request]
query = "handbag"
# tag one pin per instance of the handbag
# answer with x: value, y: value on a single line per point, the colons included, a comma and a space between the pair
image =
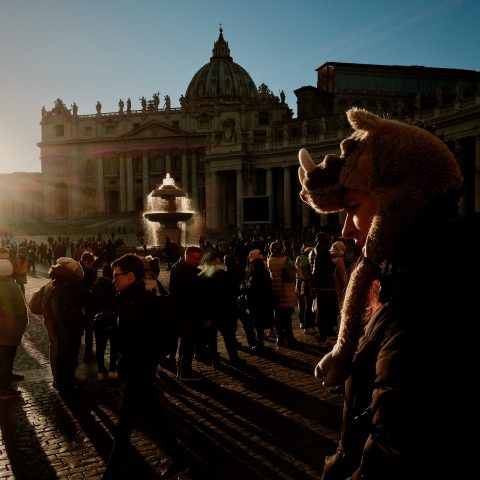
x: 36, y: 302
x: 106, y: 321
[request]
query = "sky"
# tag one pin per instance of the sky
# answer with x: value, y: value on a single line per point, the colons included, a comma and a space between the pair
x: 89, y: 50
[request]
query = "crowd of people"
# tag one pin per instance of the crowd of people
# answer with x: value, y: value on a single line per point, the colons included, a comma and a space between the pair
x: 148, y: 325
x: 382, y: 315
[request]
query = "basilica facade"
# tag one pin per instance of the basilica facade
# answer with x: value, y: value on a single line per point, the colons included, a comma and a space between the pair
x: 232, y: 145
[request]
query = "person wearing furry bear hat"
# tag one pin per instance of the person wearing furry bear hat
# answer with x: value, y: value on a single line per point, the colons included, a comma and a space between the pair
x: 396, y: 351
x: 64, y: 317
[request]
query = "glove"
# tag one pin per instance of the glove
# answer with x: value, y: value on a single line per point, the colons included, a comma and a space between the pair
x: 332, y: 370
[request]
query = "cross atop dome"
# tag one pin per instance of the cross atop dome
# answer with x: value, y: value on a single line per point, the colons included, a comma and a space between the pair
x: 220, y: 47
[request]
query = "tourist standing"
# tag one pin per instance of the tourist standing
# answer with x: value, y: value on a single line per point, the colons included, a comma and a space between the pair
x: 185, y: 290
x: 285, y: 300
x: 323, y: 283
x: 64, y: 317
x: 87, y: 261
x: 304, y: 291
x: 13, y: 322
x: 137, y: 337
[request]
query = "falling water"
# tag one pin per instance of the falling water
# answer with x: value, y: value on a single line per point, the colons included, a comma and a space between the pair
x: 167, y: 210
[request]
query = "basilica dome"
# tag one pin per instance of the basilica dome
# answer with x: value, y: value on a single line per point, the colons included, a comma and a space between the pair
x: 221, y: 81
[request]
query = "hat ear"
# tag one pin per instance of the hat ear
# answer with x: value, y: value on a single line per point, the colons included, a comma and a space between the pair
x: 361, y: 119
x: 306, y: 161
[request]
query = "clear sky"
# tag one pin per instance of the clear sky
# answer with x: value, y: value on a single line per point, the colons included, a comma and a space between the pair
x: 89, y: 50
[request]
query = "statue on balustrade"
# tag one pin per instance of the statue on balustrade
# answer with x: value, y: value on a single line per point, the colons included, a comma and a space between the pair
x: 156, y: 100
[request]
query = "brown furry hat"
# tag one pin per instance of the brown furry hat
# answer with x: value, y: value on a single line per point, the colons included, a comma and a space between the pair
x: 66, y: 268
x: 403, y: 168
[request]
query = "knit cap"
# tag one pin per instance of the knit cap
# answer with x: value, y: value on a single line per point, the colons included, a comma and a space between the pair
x: 6, y: 267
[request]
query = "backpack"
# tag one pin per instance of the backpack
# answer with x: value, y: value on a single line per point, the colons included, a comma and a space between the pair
x: 36, y: 302
x: 304, y: 267
x: 288, y: 271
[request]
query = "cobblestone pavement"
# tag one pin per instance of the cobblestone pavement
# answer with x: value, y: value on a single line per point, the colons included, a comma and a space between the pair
x: 269, y: 419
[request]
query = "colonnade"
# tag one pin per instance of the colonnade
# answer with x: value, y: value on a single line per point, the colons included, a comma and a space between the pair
x: 222, y: 204
x: 125, y: 182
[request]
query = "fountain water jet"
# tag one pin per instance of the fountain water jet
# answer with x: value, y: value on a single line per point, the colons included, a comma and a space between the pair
x: 170, y: 207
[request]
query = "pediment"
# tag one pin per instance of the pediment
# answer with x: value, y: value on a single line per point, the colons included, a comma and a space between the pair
x: 154, y: 129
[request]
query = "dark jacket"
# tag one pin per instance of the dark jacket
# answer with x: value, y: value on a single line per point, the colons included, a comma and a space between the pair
x: 103, y: 292
x: 219, y: 291
x: 64, y: 305
x: 406, y: 413
x: 185, y: 291
x: 258, y: 296
x: 137, y: 334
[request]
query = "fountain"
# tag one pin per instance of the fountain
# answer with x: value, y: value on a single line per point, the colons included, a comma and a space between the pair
x: 169, y: 206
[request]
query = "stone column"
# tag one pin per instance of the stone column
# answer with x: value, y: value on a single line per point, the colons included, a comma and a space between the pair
x: 208, y: 203
x: 100, y: 187
x: 185, y: 185
x: 194, y: 193
x: 146, y: 183
x: 269, y: 191
x: 477, y: 174
x: 214, y: 199
x: 287, y: 205
x: 75, y: 207
x: 121, y: 166
x: 130, y: 183
x: 48, y: 189
x: 239, y: 198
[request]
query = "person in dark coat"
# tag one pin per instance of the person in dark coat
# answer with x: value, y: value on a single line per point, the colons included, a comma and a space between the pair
x: 407, y: 345
x: 102, y: 295
x: 137, y: 337
x: 185, y: 291
x: 220, y: 289
x: 87, y: 261
x: 256, y: 298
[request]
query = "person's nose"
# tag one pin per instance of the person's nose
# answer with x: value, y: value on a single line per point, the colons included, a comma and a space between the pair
x: 348, y: 230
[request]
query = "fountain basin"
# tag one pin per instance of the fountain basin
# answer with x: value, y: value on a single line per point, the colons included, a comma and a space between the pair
x: 168, y: 218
